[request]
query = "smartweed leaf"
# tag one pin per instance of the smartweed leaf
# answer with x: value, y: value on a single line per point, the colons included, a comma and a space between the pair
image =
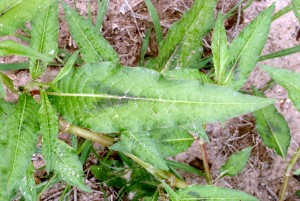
x: 273, y: 128
x: 171, y: 141
x: 44, y: 37
x: 141, y: 145
x: 67, y: 165
x: 297, y: 172
x: 235, y: 163
x: 20, y: 126
x: 288, y: 80
x: 13, y: 13
x: 213, y: 193
x: 49, y: 129
x: 139, y: 99
x: 185, y: 167
x: 67, y: 68
x: 2, y: 89
x: 219, y: 49
x: 27, y: 185
x: 9, y: 47
x: 93, y: 47
x: 182, y: 46
x: 246, y: 48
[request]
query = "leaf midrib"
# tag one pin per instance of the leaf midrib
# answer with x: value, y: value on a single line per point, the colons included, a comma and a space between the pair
x: 107, y: 96
x: 10, y: 7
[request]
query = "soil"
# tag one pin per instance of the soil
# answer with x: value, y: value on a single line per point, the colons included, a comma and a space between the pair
x: 124, y: 27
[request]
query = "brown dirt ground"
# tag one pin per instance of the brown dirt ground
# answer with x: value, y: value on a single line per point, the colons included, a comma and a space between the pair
x: 124, y: 27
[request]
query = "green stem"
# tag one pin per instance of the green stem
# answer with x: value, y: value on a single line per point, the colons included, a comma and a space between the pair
x: 87, y: 134
x: 282, y: 12
x: 159, y: 174
x: 288, y: 173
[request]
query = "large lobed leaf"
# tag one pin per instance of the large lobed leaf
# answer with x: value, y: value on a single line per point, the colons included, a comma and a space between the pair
x: 288, y: 80
x: 44, y: 37
x: 93, y: 47
x: 22, y: 131
x: 49, y: 129
x: 273, y: 128
x: 14, y: 13
x: 182, y: 47
x: 108, y: 98
x: 213, y: 193
x: 246, y: 48
x: 67, y: 165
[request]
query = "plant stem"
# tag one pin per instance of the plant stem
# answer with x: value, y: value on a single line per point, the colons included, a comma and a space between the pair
x: 205, y: 163
x: 87, y: 134
x: 159, y: 174
x: 288, y: 173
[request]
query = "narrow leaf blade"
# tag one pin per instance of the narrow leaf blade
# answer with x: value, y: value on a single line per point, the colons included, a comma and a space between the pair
x: 21, y: 126
x: 49, y: 129
x: 235, y: 163
x: 182, y: 46
x: 9, y: 47
x: 67, y: 68
x: 93, y: 47
x: 296, y: 8
x: 219, y: 49
x: 213, y: 193
x: 44, y: 38
x: 288, y: 80
x: 14, y: 13
x: 246, y: 48
x: 273, y: 128
x: 67, y: 165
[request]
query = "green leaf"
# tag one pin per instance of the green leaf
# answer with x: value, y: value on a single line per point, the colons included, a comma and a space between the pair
x: 5, y: 110
x: 93, y: 47
x: 9, y: 47
x: 281, y: 53
x: 173, y: 196
x: 67, y: 68
x: 246, y: 48
x: 44, y: 38
x: 7, y: 82
x: 187, y: 74
x: 182, y: 46
x: 27, y: 185
x: 142, y: 146
x: 219, y: 49
x: 67, y: 165
x: 213, y: 193
x: 185, y: 167
x: 155, y: 20
x: 13, y: 66
x: 49, y: 129
x: 288, y: 80
x: 297, y: 172
x: 2, y: 89
x: 21, y: 126
x: 296, y: 8
x: 273, y: 128
x: 102, y: 8
x: 145, y: 46
x: 14, y: 13
x: 235, y: 163
x: 171, y: 141
x: 139, y: 99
